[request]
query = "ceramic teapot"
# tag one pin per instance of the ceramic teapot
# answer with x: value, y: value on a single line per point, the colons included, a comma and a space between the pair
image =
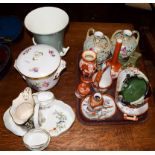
x: 98, y: 42
x: 130, y: 42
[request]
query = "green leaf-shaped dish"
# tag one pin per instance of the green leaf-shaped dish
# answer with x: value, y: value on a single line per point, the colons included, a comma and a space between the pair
x: 133, y: 89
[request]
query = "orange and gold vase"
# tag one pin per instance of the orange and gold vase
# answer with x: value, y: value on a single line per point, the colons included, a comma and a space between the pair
x: 115, y: 65
x: 87, y: 65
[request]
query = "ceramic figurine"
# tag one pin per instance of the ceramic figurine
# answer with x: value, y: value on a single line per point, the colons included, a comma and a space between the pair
x: 40, y: 65
x: 132, y: 93
x: 51, y: 114
x: 102, y: 80
x: 130, y: 42
x: 82, y: 90
x: 100, y: 43
x: 101, y: 108
x: 87, y: 65
x: 116, y: 66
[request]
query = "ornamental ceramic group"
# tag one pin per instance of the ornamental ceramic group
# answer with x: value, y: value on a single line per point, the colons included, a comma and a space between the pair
x: 109, y: 79
x: 105, y: 64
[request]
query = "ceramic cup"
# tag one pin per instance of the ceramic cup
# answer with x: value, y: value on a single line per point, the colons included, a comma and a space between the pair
x: 47, y: 24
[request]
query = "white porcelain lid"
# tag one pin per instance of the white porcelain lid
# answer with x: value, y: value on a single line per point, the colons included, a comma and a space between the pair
x: 38, y: 61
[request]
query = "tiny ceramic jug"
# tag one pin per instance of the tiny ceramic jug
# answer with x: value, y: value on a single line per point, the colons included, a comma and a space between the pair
x: 102, y: 80
x: 130, y: 42
x: 82, y: 90
x: 44, y: 100
x: 98, y: 42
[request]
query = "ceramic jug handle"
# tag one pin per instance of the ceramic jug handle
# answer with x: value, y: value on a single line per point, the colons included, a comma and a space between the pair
x: 109, y: 43
x: 138, y: 36
x: 117, y: 31
x: 89, y: 32
x: 35, y: 116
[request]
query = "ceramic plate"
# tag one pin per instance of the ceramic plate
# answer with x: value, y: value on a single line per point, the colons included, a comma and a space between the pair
x: 107, y: 111
x: 57, y: 119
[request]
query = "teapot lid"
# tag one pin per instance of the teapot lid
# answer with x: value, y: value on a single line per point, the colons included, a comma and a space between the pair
x: 38, y: 61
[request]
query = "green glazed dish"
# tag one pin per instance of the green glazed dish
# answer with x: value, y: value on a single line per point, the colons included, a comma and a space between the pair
x: 133, y: 89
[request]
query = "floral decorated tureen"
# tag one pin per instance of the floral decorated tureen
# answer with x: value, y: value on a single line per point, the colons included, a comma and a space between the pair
x: 40, y: 65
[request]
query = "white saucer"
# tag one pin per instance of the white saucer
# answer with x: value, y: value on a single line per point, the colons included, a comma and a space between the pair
x: 56, y: 119
x: 107, y: 111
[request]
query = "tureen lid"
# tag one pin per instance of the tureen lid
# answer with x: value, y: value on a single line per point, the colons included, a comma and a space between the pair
x: 38, y: 61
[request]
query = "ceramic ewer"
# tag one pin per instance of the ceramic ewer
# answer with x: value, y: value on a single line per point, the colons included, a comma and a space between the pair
x: 130, y: 42
x: 48, y: 24
x: 17, y: 117
x: 100, y: 43
x: 132, y: 93
x: 51, y: 114
x: 102, y: 79
x: 40, y: 65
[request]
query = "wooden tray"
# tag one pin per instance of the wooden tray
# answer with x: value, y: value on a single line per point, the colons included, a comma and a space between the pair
x: 117, y: 118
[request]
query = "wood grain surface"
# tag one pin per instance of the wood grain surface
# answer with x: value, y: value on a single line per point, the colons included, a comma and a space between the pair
x: 139, y: 136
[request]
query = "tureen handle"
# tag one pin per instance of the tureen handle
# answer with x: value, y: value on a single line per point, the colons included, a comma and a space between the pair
x: 64, y: 51
x: 90, y: 32
x: 138, y: 35
x: 15, y: 66
x: 60, y: 68
x: 117, y: 31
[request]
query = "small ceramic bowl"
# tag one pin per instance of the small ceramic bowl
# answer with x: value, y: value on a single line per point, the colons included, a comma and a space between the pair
x: 36, y: 139
x: 5, y: 59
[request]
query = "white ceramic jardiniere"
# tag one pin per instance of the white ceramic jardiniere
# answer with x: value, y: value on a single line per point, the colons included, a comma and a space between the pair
x: 47, y: 24
x: 40, y: 65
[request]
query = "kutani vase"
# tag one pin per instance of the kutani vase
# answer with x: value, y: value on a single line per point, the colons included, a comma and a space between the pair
x: 115, y: 65
x: 87, y: 65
